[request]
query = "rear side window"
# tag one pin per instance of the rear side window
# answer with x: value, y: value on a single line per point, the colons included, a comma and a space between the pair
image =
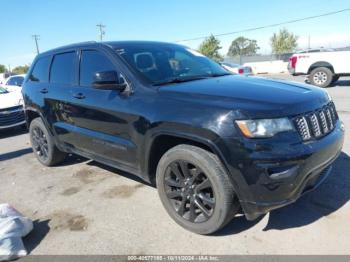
x: 63, y: 69
x: 91, y: 62
x: 40, y: 72
x: 15, y: 81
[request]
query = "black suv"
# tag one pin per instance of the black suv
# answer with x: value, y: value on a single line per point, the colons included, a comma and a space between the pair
x: 213, y: 142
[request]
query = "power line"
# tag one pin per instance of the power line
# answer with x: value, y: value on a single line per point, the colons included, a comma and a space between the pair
x: 267, y: 26
x: 36, y: 38
x: 102, y: 32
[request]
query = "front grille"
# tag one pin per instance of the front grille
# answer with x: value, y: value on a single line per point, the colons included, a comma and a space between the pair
x: 317, y: 124
x: 11, y: 116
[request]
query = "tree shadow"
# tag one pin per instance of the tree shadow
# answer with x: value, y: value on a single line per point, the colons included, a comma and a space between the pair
x: 333, y: 194
x: 16, y: 131
x: 34, y: 238
x: 15, y: 154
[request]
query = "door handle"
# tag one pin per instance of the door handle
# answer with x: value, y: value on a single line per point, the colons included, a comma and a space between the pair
x: 44, y: 91
x: 79, y: 96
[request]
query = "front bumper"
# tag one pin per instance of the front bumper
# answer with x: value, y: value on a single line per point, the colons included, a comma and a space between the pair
x: 12, y: 117
x: 301, y: 166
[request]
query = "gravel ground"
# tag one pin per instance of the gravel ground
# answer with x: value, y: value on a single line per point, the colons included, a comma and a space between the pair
x: 83, y: 207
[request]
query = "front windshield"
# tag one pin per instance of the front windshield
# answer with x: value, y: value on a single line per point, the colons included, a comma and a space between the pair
x: 2, y: 90
x: 163, y: 63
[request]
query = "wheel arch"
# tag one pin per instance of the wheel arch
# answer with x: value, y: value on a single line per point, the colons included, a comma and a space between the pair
x: 163, y: 141
x: 320, y: 64
x: 31, y: 114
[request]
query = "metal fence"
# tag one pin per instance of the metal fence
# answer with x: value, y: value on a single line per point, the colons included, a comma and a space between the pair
x: 258, y: 58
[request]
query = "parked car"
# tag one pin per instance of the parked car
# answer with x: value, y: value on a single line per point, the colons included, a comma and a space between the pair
x: 11, y: 109
x: 14, y: 82
x: 213, y: 142
x: 322, y: 68
x: 237, y: 69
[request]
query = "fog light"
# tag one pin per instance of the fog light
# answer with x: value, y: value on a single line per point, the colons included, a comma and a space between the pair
x: 283, y: 172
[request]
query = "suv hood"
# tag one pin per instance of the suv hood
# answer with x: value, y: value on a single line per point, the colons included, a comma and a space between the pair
x: 254, y: 95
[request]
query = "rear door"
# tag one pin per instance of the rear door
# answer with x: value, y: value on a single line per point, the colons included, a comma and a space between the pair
x: 59, y: 98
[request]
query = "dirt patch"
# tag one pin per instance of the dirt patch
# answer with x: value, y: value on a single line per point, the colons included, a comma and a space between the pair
x: 88, y: 176
x: 122, y: 191
x: 63, y: 220
x: 70, y: 191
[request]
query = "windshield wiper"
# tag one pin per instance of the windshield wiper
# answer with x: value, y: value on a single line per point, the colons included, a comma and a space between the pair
x: 179, y: 80
x: 219, y: 74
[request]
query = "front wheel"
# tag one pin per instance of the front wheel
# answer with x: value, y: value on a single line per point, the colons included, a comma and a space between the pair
x: 195, y: 189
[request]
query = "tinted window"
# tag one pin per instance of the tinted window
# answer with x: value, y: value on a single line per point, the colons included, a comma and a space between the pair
x: 92, y: 62
x: 40, y: 70
x: 15, y: 81
x: 63, y: 68
x: 161, y: 63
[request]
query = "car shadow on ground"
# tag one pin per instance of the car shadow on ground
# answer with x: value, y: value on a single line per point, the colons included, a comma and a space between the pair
x: 34, y: 238
x: 344, y: 83
x: 72, y: 159
x: 15, y: 154
x: 120, y: 172
x: 333, y: 194
x: 16, y: 131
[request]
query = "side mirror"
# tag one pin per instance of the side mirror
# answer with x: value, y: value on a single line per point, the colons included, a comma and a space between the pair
x: 108, y: 80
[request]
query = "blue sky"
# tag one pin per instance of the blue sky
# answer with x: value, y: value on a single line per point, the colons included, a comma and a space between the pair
x: 67, y: 21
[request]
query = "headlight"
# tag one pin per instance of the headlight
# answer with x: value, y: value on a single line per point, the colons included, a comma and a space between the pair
x: 264, y: 127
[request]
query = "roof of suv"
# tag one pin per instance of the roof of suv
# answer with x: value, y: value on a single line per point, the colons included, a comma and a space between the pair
x: 113, y: 44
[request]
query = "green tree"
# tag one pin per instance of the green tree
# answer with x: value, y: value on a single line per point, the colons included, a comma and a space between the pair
x: 283, y: 42
x: 210, y: 47
x: 242, y: 46
x: 2, y: 69
x: 20, y: 69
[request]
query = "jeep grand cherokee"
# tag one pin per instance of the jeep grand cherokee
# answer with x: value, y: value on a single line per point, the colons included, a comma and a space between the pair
x: 211, y: 141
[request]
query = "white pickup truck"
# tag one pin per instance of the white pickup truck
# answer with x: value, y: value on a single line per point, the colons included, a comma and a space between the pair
x: 322, y: 68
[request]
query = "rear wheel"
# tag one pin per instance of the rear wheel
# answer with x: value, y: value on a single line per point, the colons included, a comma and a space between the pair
x: 195, y: 189
x: 321, y: 76
x: 43, y: 145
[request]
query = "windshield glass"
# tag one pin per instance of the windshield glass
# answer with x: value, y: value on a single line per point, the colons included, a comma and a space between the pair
x: 2, y: 90
x: 168, y: 63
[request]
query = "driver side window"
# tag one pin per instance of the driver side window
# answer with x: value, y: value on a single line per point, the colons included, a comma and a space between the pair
x: 91, y: 62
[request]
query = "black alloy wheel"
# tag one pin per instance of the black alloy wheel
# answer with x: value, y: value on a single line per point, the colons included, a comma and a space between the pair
x: 40, y: 144
x: 189, y: 191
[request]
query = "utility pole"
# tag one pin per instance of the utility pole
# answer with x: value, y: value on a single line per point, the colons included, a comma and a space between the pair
x: 309, y: 42
x: 36, y: 38
x: 102, y: 31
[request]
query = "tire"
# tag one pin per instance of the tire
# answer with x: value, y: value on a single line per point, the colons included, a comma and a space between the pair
x: 202, y: 168
x: 43, y: 145
x: 321, y: 76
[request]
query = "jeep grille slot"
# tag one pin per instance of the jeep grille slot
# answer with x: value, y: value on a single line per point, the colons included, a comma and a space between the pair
x: 317, y: 124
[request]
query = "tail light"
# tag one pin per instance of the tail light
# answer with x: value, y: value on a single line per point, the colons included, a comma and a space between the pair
x: 241, y: 71
x: 293, y: 61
